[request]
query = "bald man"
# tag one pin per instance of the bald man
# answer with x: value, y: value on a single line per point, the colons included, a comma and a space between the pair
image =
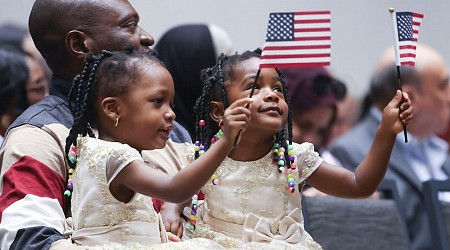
x: 427, y: 85
x: 33, y: 165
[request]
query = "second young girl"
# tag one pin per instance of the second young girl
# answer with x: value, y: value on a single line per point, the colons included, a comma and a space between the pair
x: 254, y: 198
x: 127, y: 97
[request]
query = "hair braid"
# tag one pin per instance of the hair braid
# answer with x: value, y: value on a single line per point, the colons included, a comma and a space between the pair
x: 287, y: 99
x: 221, y: 81
x: 202, y: 109
x: 81, y: 91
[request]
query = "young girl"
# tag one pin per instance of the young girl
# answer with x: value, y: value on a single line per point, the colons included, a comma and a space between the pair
x: 127, y: 97
x: 254, y: 198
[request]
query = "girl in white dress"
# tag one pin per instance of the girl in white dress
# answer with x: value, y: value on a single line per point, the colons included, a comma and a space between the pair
x: 127, y: 97
x: 254, y: 199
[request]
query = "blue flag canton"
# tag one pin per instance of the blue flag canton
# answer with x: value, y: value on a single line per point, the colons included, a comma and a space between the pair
x: 405, y: 26
x: 281, y: 27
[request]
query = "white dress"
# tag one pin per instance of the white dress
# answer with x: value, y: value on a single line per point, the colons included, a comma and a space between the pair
x: 102, y: 222
x: 252, y: 208
x: 98, y: 217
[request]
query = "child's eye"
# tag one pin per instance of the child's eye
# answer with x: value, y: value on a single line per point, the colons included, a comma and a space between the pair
x: 278, y: 89
x: 250, y: 86
x: 157, y: 100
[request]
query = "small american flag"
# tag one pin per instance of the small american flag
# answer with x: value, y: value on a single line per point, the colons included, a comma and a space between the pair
x: 406, y: 32
x: 297, y: 39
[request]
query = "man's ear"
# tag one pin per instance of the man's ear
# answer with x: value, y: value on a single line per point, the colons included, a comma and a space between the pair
x: 76, y: 43
x: 217, y: 110
x: 111, y: 108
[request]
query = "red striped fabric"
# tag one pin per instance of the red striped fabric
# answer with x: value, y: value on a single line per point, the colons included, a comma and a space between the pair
x: 29, y: 176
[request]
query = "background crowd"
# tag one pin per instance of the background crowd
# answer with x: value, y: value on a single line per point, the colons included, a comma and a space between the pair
x: 326, y: 110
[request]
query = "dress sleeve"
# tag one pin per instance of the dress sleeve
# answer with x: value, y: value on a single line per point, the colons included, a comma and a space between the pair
x: 308, y: 160
x: 119, y: 157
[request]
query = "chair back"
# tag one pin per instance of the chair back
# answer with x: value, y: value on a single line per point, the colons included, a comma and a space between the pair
x: 337, y: 223
x: 438, y: 213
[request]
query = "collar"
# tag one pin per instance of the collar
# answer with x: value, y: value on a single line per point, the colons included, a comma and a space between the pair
x: 434, y: 143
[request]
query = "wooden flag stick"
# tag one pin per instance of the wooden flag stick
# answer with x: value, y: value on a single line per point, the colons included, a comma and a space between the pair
x: 248, y: 104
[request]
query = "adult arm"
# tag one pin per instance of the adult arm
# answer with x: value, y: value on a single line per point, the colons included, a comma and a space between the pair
x: 32, y: 186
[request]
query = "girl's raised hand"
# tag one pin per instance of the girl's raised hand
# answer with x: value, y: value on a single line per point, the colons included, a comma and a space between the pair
x: 399, y: 111
x: 236, y: 118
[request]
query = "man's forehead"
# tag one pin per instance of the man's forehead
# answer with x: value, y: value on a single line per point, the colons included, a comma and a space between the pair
x: 113, y: 5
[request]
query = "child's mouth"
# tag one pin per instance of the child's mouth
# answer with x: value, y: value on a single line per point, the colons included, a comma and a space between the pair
x: 271, y: 110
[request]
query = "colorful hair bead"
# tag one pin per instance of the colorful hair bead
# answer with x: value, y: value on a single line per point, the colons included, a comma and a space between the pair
x: 200, y: 149
x: 193, y: 217
x: 73, y: 158
x: 216, y: 137
x: 280, y: 160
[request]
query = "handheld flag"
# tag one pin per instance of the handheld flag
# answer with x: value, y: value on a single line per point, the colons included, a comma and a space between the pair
x: 297, y: 39
x: 406, y: 32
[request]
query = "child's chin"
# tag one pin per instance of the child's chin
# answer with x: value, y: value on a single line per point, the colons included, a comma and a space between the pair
x: 162, y: 145
x: 155, y: 146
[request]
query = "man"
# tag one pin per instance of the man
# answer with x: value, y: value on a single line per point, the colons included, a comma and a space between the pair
x: 33, y: 165
x: 425, y: 156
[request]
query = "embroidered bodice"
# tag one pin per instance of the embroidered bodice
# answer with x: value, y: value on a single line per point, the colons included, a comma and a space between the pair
x: 252, y: 194
x: 95, y: 210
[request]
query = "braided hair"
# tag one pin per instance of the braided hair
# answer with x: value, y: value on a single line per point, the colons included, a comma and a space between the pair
x: 214, y: 89
x: 106, y: 74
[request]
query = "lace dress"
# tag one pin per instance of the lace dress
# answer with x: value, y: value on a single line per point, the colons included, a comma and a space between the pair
x: 104, y: 223
x: 98, y: 217
x: 252, y: 208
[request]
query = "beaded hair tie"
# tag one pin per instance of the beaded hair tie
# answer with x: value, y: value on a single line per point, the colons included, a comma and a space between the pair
x: 73, y: 157
x: 200, y: 149
x: 280, y: 160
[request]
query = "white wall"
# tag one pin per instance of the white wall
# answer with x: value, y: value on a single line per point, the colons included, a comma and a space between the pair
x: 361, y: 29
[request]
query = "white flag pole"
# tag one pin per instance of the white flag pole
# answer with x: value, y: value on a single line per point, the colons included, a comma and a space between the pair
x: 395, y: 28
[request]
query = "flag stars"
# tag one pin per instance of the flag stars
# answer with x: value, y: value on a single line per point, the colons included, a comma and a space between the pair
x: 280, y: 27
x: 404, y: 24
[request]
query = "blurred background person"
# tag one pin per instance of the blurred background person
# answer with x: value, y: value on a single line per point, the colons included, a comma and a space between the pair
x: 186, y: 50
x: 314, y: 96
x: 425, y: 156
x: 37, y: 85
x: 13, y: 75
x: 347, y: 115
x: 18, y: 37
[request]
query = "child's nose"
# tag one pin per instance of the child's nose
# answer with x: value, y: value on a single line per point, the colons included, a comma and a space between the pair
x: 170, y: 115
x: 271, y: 96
